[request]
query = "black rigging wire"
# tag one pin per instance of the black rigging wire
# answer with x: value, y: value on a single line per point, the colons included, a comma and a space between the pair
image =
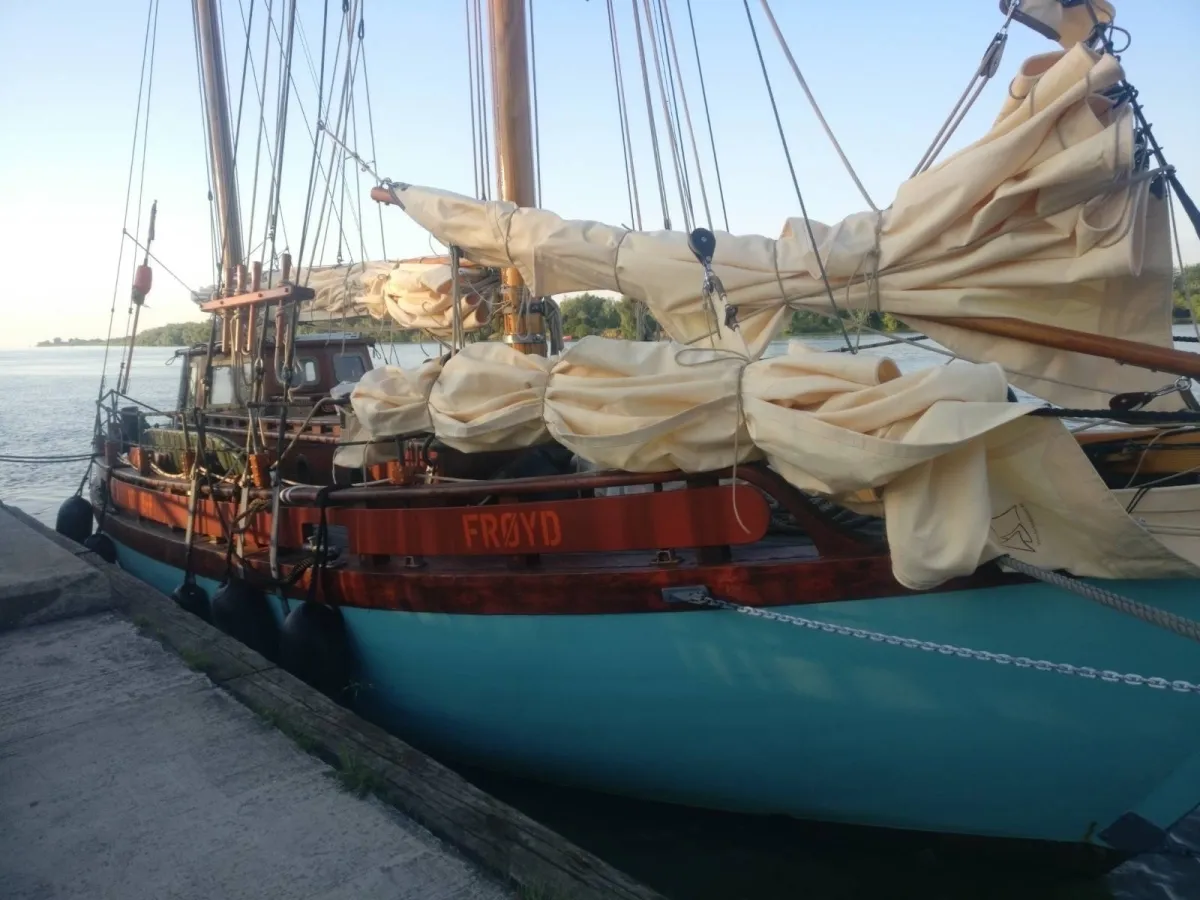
x: 285, y: 83
x: 371, y: 131
x: 214, y: 244
x: 261, y: 91
x: 316, y: 150
x: 247, y: 24
x: 812, y: 240
x: 146, y: 250
x: 329, y: 203
x: 121, y: 373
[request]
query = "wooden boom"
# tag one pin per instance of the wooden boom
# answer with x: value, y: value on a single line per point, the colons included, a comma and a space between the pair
x: 1133, y: 353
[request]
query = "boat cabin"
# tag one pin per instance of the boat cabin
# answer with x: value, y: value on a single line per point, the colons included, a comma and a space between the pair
x: 322, y: 362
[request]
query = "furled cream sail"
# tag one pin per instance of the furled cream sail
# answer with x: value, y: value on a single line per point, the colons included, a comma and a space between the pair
x: 1045, y: 218
x: 1066, y: 24
x: 417, y: 294
x: 960, y: 475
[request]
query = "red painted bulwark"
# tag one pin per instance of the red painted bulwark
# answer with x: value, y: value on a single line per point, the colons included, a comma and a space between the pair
x: 693, y: 518
x: 585, y: 590
x: 696, y: 517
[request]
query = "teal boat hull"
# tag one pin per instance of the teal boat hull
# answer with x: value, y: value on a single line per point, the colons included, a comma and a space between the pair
x: 715, y: 709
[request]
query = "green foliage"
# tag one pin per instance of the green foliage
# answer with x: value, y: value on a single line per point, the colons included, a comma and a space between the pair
x: 1189, y: 276
x: 805, y: 322
x: 586, y: 314
x: 355, y: 776
x: 177, y: 334
x: 628, y: 310
x: 188, y: 334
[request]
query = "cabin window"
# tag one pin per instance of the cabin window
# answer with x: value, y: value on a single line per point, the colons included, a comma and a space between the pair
x: 229, y: 387
x: 224, y: 388
x: 348, y: 367
x: 306, y: 372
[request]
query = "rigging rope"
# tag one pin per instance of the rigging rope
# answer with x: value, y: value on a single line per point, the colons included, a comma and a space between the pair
x: 707, y: 117
x: 987, y: 68
x: 485, y: 150
x: 310, y: 193
x: 337, y: 153
x: 471, y: 95
x: 147, y: 56
x: 285, y: 82
x: 635, y: 206
x: 685, y: 200
x: 260, y: 91
x: 658, y: 168
x: 537, y: 130
x: 787, y: 51
x: 214, y: 241
x: 247, y: 25
x: 150, y: 7
x: 371, y: 131
x: 1183, y: 281
x: 31, y: 459
x: 796, y: 182
x: 1179, y: 625
x: 700, y: 596
x: 356, y: 197
x: 679, y: 154
x: 687, y: 113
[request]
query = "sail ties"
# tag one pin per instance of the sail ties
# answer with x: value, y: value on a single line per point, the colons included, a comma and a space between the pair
x: 1121, y: 183
x: 709, y: 357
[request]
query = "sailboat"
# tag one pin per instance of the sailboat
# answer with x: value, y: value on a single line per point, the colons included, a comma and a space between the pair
x: 805, y: 584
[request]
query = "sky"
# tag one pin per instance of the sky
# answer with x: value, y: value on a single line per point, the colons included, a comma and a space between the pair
x: 886, y: 73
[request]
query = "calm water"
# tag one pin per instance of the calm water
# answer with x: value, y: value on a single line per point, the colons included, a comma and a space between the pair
x: 47, y: 404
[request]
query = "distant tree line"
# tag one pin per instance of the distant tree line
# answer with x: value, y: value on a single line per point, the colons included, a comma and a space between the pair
x: 188, y: 334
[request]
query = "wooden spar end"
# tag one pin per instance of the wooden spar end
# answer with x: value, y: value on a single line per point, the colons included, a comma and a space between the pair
x: 384, y: 195
x: 1132, y: 353
x: 279, y: 294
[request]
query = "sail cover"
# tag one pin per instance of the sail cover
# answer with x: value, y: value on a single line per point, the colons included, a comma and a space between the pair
x: 1065, y: 21
x: 1045, y: 218
x: 959, y: 474
x: 416, y: 294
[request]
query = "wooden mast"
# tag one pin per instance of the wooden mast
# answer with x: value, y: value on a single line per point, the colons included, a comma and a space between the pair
x: 514, y: 155
x: 216, y: 108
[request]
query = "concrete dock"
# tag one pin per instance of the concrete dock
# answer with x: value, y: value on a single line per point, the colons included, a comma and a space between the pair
x: 127, y: 773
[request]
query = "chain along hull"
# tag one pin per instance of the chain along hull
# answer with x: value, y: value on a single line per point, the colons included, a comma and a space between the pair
x: 720, y: 710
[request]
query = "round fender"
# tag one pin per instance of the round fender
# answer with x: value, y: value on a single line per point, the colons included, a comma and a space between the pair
x: 314, y: 646
x: 74, y: 519
x: 192, y: 598
x: 102, y: 545
x: 242, y: 612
